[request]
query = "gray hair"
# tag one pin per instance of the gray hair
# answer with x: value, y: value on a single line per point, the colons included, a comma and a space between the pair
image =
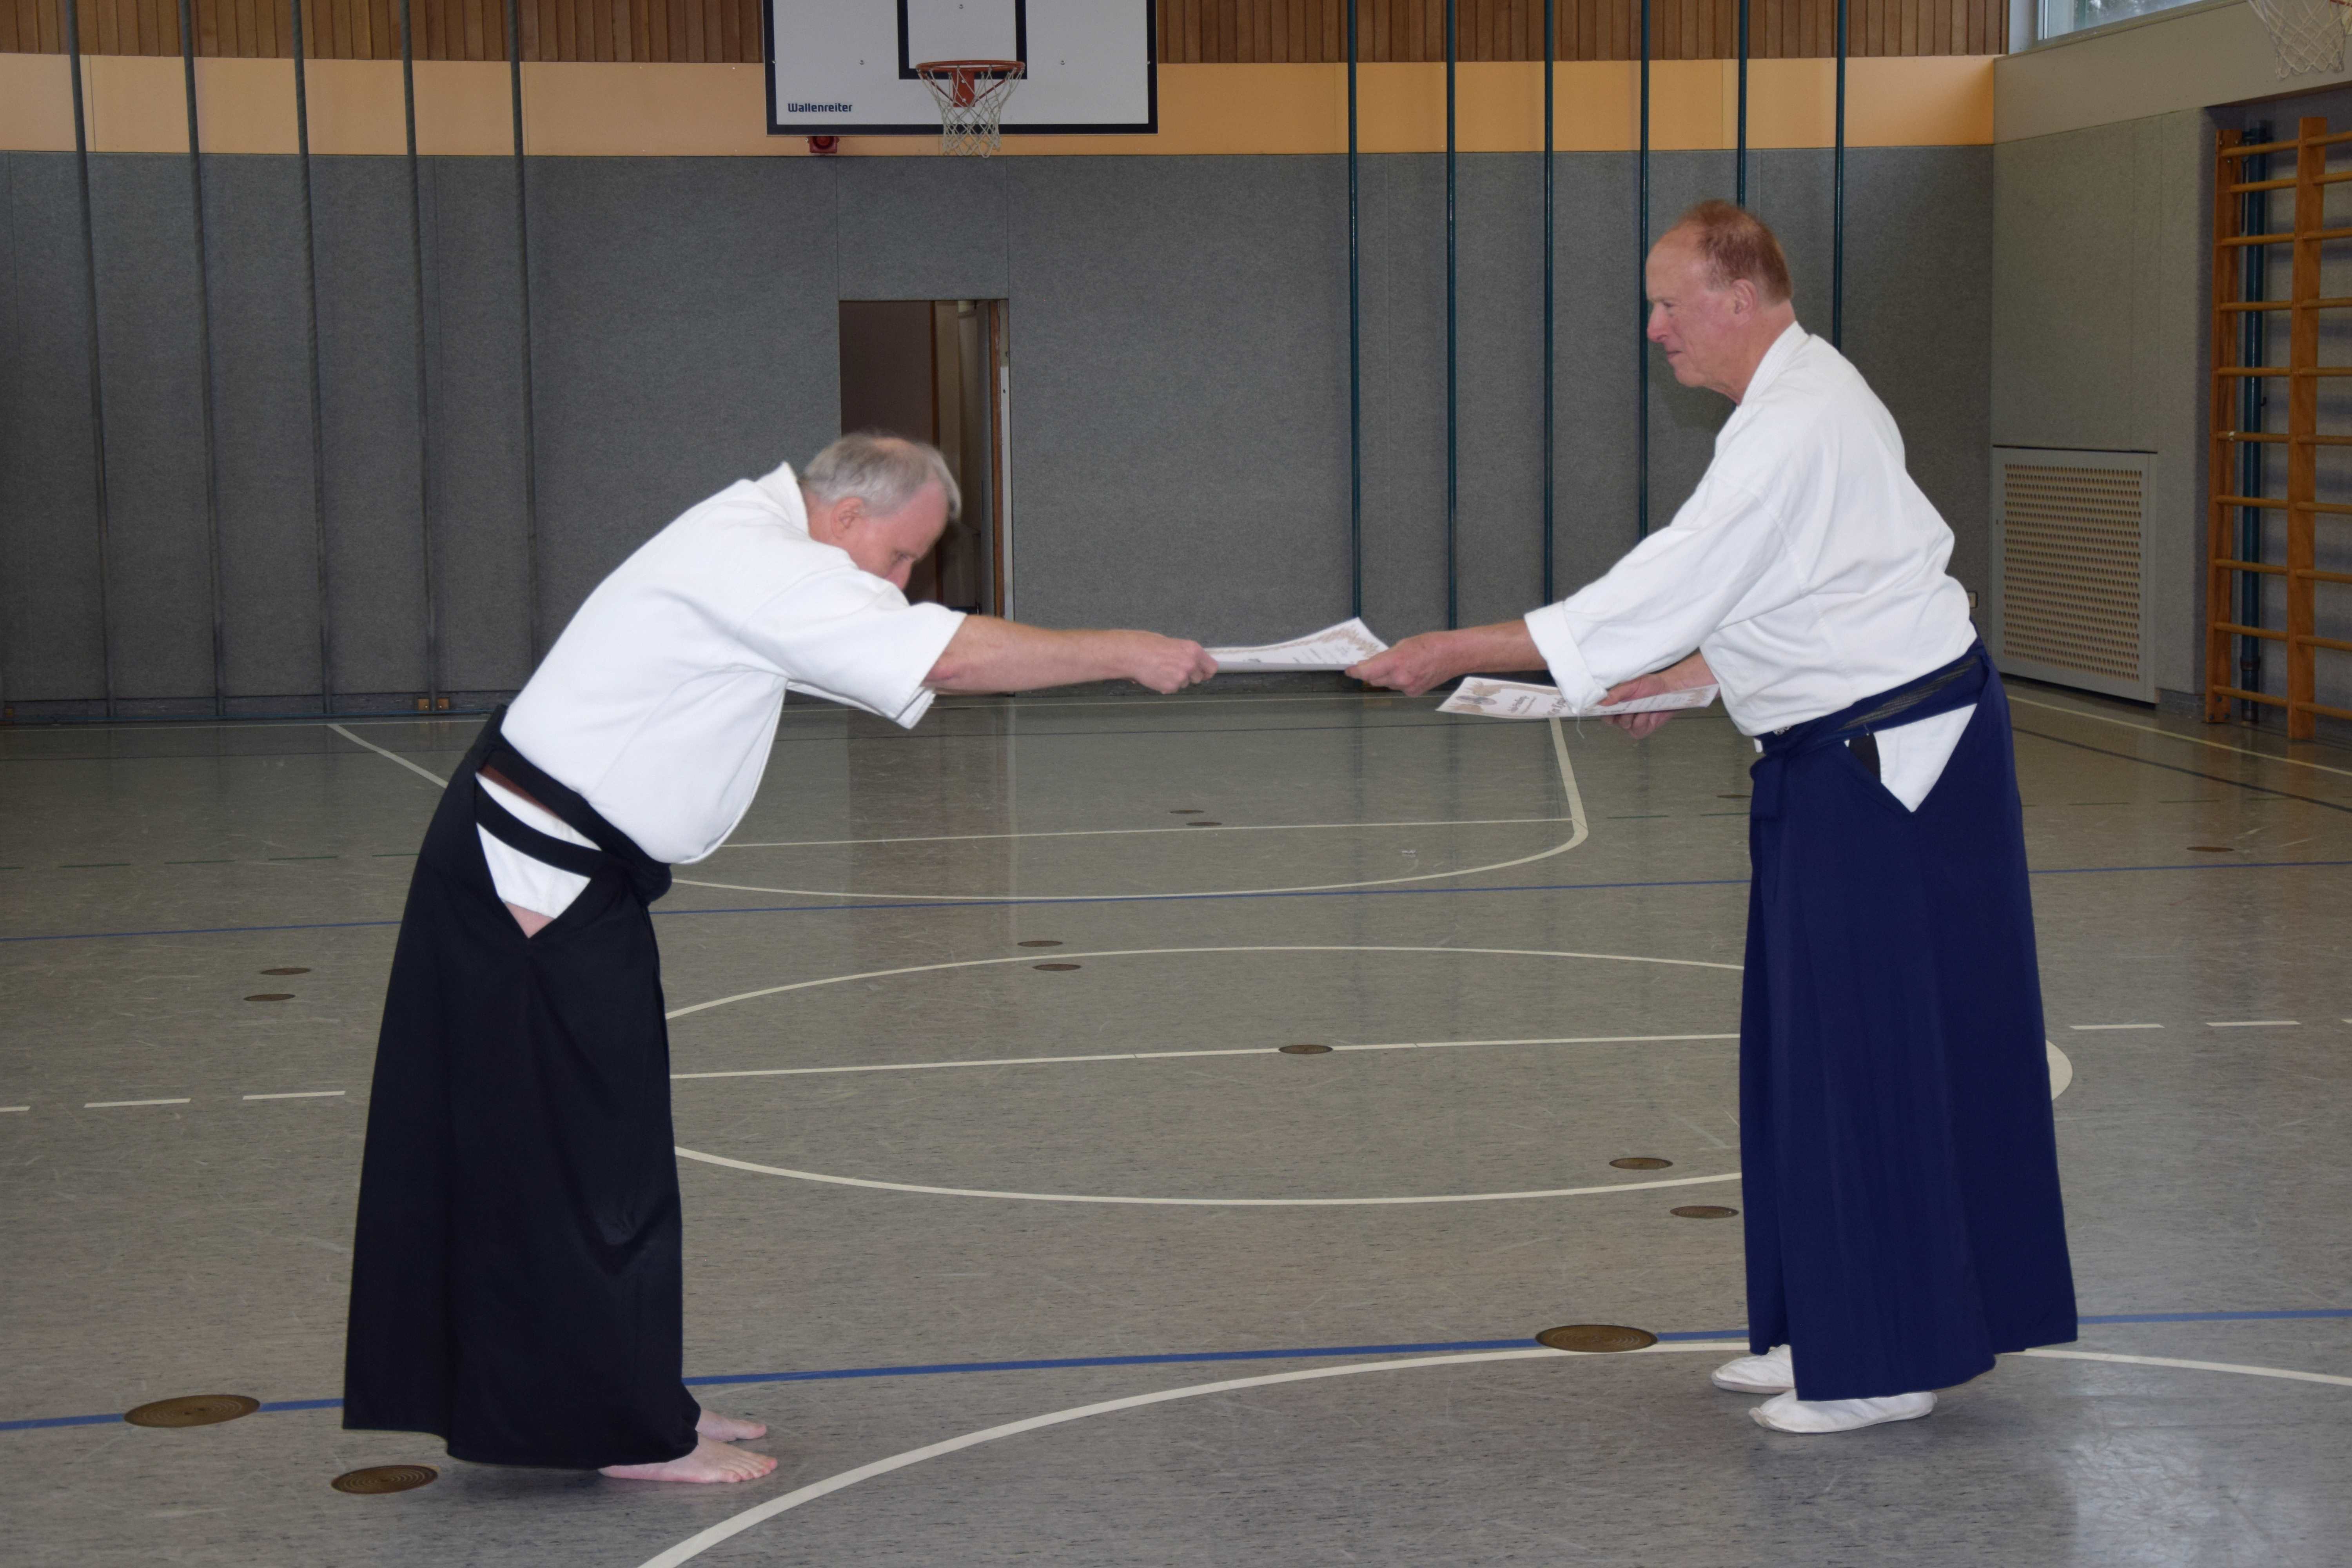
x: 884, y: 471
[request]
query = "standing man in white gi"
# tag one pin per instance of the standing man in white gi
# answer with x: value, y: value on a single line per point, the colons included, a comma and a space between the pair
x: 516, y: 1283
x: 1903, y: 1214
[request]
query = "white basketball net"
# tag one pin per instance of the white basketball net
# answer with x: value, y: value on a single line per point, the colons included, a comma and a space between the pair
x: 971, y: 96
x: 2309, y: 33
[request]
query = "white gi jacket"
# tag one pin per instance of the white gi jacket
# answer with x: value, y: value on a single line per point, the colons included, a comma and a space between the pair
x: 659, y: 701
x: 1807, y: 566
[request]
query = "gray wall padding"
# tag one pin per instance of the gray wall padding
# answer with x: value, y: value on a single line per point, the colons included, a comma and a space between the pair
x: 367, y: 374
x: 1178, y: 394
x: 159, y: 566
x: 922, y: 229
x: 269, y: 564
x: 686, y: 334
x: 1919, y: 267
x: 1179, y: 376
x: 474, y: 342
x: 48, y: 507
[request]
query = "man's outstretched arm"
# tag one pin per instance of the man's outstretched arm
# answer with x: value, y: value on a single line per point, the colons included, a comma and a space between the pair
x: 1433, y: 658
x: 1419, y: 663
x: 991, y: 655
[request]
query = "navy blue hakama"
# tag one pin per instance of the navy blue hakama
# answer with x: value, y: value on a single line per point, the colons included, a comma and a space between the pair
x: 1903, y: 1223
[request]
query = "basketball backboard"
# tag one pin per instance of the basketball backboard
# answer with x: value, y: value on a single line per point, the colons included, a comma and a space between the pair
x: 845, y: 68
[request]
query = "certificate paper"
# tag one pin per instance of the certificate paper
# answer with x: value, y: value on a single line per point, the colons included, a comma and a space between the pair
x: 1520, y: 699
x: 1333, y: 648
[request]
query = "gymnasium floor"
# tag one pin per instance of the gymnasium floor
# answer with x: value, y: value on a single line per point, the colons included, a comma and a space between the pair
x: 1528, y: 939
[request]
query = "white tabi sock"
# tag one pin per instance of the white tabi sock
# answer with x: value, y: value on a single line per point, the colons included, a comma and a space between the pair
x: 1772, y: 1372
x: 1787, y: 1412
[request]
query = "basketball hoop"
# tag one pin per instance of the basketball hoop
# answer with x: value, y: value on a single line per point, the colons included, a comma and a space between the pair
x: 971, y: 96
x: 2309, y: 34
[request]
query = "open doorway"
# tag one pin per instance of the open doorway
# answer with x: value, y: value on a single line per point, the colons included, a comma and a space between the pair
x: 936, y: 370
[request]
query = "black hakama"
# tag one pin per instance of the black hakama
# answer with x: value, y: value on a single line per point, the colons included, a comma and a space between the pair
x: 516, y: 1281
x: 1902, y: 1216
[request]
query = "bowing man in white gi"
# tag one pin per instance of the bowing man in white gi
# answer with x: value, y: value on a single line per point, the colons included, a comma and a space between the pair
x: 1902, y: 1207
x: 515, y: 1280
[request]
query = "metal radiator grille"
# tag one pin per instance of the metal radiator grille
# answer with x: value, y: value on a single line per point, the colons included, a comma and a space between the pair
x: 2070, y: 567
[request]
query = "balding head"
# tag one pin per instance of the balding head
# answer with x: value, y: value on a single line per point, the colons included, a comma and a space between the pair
x: 884, y: 471
x: 883, y: 500
x: 1733, y: 244
x: 1718, y: 292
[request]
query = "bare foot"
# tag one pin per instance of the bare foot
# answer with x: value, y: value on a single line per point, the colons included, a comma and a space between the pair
x: 729, y: 1428
x: 710, y: 1461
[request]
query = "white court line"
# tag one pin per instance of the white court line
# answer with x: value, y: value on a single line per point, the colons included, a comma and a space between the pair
x: 299, y: 1094
x: 1163, y: 1056
x: 1198, y: 1202
x: 111, y: 1104
x: 2062, y: 1075
x: 1567, y: 783
x: 1132, y: 831
x: 2184, y: 739
x: 395, y: 756
x: 2280, y: 1372
x: 1166, y: 952
x: 1559, y: 748
x: 696, y: 1544
x: 2255, y: 1024
x: 2114, y: 1025
x: 4, y: 1109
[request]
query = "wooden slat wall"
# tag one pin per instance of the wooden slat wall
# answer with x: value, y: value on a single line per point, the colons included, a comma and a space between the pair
x: 1217, y: 31
x: 651, y: 30
x: 1246, y: 31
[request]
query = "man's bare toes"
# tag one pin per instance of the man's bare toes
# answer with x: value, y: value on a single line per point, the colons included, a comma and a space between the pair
x: 711, y: 1462
x: 729, y: 1428
x: 751, y: 1466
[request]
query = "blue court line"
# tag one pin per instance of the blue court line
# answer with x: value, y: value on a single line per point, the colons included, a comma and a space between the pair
x: 2192, y: 772
x: 2218, y: 1317
x: 1182, y: 1358
x: 1187, y: 898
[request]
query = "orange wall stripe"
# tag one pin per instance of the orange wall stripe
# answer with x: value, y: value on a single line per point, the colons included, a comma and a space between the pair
x: 616, y: 111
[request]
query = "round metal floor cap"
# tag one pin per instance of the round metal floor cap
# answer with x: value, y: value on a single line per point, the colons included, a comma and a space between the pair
x: 193, y: 1410
x: 1053, y: 966
x: 291, y: 970
x: 1705, y: 1211
x: 1595, y: 1338
x: 1642, y: 1163
x: 1304, y: 1050
x: 271, y: 996
x: 1040, y: 941
x: 377, y: 1480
